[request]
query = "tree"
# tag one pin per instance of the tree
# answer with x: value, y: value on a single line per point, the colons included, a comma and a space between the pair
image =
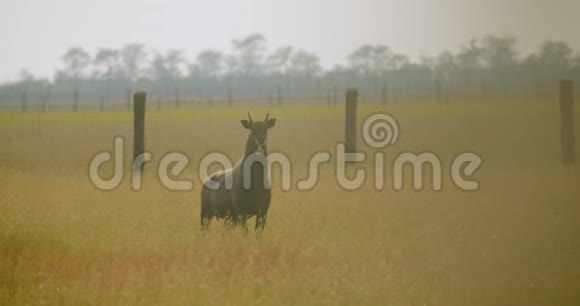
x: 174, y: 60
x: 500, y: 52
x: 471, y: 56
x: 107, y: 63
x: 76, y: 60
x: 469, y: 62
x: 502, y: 61
x: 554, y: 61
x: 371, y: 59
x: 158, y: 69
x: 428, y: 62
x: 166, y: 69
x: 556, y: 55
x: 398, y: 61
x: 249, y: 53
x: 279, y: 60
x: 133, y: 57
x: 576, y: 63
x: 445, y: 66
x: 304, y: 63
x: 26, y: 76
x: 209, y: 64
x: 107, y: 66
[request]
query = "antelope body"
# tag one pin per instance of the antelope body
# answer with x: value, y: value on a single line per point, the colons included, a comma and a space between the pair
x: 242, y: 192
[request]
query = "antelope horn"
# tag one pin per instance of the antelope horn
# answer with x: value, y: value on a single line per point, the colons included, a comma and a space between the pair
x: 267, y: 115
x: 250, y: 117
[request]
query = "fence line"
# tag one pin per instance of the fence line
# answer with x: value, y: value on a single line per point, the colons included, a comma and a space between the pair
x: 276, y: 97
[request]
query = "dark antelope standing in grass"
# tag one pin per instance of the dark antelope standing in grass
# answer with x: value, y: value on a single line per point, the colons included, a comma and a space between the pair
x: 239, y: 193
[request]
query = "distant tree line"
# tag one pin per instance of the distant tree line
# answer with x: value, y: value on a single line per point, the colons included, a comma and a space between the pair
x: 487, y: 66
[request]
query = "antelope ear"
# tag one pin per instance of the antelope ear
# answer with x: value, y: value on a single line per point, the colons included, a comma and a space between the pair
x: 270, y: 123
x: 246, y: 124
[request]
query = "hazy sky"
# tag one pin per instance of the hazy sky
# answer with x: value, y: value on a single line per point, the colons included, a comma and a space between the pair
x: 35, y: 33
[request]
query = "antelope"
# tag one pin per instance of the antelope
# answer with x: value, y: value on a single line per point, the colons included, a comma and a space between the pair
x: 242, y: 192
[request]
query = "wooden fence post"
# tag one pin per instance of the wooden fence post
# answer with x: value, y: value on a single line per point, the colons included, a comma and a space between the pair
x: 350, y: 123
x: 567, y: 120
x: 138, y: 130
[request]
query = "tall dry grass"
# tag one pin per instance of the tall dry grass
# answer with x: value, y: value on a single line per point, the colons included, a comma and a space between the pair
x: 513, y: 242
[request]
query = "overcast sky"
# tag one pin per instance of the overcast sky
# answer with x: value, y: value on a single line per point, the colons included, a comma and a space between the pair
x: 35, y: 34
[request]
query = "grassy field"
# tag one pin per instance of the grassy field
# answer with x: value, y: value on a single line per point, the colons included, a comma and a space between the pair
x: 513, y: 242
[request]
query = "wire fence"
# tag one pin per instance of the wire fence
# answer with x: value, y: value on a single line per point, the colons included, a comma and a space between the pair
x: 276, y: 99
x: 331, y: 106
